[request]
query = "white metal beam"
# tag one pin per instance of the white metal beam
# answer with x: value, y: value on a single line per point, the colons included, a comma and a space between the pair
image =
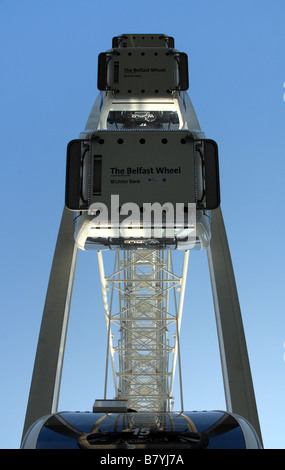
x: 239, y: 392
x: 45, y: 385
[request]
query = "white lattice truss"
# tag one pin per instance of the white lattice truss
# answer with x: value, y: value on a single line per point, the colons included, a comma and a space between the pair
x: 143, y: 326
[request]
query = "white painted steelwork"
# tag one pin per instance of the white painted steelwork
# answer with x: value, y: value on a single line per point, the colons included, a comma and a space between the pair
x: 143, y: 329
x: 143, y: 302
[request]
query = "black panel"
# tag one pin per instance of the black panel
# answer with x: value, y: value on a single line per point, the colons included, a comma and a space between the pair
x: 97, y: 175
x: 73, y: 183
x: 183, y: 71
x: 102, y: 71
x: 212, y: 180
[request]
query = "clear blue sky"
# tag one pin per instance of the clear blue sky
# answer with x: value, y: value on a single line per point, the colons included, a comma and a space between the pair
x: 48, y: 82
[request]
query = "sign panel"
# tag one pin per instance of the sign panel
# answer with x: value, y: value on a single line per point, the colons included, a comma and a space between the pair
x: 142, y: 167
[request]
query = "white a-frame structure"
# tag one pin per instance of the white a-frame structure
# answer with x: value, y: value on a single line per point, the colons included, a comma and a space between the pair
x: 143, y: 326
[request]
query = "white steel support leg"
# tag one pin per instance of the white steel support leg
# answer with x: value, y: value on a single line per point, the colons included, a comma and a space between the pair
x: 45, y: 386
x: 178, y: 325
x: 239, y: 392
x: 108, y: 322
